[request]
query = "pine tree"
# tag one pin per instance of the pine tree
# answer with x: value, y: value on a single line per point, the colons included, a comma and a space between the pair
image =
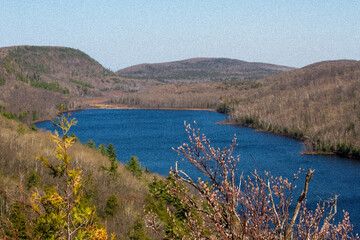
x: 134, y: 166
x: 137, y: 231
x: 112, y: 205
x: 111, y: 153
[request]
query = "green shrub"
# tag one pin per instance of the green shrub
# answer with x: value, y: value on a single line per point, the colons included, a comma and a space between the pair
x: 20, y: 129
x: 32, y: 127
x: 34, y: 115
x: 91, y: 143
x: 74, y: 137
x: 249, y: 120
x: 81, y: 83
x: 9, y: 69
x: 23, y: 115
x: 223, y: 108
x: 65, y: 90
x: 21, y: 77
x: 256, y: 85
x: 102, y: 149
x: 18, y: 222
x: 33, y: 180
x: 138, y: 231
x: 10, y: 115
x: 51, y: 86
x: 112, y: 205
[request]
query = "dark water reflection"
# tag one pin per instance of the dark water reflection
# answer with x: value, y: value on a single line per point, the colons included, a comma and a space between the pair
x: 150, y: 135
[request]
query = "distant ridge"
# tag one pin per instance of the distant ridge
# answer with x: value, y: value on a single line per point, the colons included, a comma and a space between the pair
x: 37, y: 78
x: 318, y: 103
x: 202, y: 70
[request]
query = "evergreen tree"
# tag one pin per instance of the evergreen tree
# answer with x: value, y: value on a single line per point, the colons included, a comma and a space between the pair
x: 33, y: 180
x: 19, y: 224
x: 91, y: 143
x: 137, y: 231
x: 134, y: 166
x: 112, y: 205
x: 102, y: 148
x: 111, y: 153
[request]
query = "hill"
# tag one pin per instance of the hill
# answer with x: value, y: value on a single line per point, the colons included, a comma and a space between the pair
x: 37, y: 79
x: 21, y: 174
x: 202, y: 70
x: 318, y: 103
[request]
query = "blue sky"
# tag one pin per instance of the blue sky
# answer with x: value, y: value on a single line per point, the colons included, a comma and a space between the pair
x: 120, y: 33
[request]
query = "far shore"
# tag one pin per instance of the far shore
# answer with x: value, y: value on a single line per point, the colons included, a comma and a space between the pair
x: 124, y: 107
x: 316, y: 153
x: 119, y: 106
x: 97, y: 105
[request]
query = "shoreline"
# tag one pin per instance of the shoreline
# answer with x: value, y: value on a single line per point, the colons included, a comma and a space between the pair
x: 305, y: 152
x: 119, y: 106
x: 224, y: 122
x: 317, y: 153
x: 122, y: 107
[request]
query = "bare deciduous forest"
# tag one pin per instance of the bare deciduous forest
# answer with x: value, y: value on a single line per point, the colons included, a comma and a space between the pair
x: 318, y: 103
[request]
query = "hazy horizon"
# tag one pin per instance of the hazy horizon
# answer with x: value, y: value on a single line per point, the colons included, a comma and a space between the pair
x: 121, y: 34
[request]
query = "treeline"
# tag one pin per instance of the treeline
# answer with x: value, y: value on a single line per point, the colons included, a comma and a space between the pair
x: 318, y: 104
x: 196, y: 95
x: 23, y: 116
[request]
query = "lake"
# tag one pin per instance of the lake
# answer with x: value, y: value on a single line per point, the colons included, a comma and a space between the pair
x: 151, y: 134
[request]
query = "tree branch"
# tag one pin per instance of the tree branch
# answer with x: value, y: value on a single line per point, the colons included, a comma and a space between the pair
x: 302, y: 196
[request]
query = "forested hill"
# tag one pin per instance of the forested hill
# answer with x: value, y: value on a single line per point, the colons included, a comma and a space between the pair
x: 36, y: 78
x: 319, y: 102
x: 202, y: 70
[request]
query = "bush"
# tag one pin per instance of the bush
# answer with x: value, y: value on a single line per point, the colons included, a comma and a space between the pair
x: 49, y: 213
x: 21, y: 77
x: 112, y: 205
x: 51, y: 86
x: 34, y: 115
x: 33, y: 180
x: 91, y: 144
x: 10, y: 115
x: 223, y: 108
x: 259, y: 207
x: 138, y: 231
x: 20, y: 129
x: 81, y: 83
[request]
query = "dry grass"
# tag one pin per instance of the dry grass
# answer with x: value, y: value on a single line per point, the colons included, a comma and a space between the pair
x: 17, y: 161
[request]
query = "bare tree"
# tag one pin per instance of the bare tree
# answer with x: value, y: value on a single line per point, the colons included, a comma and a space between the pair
x: 231, y: 206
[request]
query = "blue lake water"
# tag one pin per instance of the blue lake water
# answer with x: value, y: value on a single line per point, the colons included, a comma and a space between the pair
x: 151, y: 134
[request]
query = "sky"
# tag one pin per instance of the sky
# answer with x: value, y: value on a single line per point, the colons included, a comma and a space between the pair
x: 122, y: 33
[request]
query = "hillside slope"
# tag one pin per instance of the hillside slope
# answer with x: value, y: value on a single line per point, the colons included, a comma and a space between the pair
x: 202, y: 70
x: 319, y: 103
x: 39, y: 78
x: 18, y: 163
